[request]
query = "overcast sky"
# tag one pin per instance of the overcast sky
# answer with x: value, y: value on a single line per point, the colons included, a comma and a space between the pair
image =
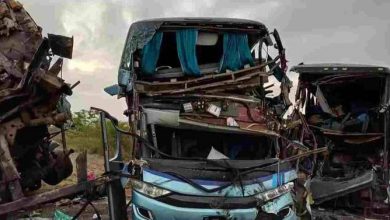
x: 353, y: 31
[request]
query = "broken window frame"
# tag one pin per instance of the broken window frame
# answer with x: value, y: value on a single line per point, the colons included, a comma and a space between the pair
x: 348, y: 74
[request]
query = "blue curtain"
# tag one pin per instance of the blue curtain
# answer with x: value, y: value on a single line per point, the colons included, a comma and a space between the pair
x: 236, y: 52
x: 244, y: 50
x: 151, y: 53
x: 186, y: 51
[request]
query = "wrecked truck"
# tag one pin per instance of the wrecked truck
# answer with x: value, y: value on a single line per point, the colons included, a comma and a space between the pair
x: 32, y: 99
x: 346, y: 108
x: 206, y: 137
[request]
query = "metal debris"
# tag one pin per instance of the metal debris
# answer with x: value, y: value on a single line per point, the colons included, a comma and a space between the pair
x: 353, y: 124
x: 32, y: 98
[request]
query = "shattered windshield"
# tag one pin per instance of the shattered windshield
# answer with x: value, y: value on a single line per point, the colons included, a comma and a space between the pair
x: 212, y: 145
x: 192, y: 52
x: 335, y: 103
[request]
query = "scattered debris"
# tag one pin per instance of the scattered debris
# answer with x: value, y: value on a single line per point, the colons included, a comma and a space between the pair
x: 58, y: 215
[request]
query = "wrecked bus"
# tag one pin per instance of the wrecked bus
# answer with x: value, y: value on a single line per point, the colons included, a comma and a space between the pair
x: 346, y: 107
x: 207, y: 142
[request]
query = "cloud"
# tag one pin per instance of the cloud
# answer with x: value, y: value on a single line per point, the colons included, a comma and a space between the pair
x: 355, y: 31
x: 83, y: 20
x: 88, y: 67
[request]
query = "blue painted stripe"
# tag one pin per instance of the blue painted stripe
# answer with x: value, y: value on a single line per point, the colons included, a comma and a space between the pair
x: 165, y: 211
x: 272, y: 176
x: 233, y: 190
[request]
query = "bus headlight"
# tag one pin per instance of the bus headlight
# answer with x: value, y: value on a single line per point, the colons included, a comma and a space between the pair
x: 148, y: 189
x: 274, y: 193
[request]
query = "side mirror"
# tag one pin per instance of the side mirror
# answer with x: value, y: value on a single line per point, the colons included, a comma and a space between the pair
x: 281, y: 49
x: 278, y: 41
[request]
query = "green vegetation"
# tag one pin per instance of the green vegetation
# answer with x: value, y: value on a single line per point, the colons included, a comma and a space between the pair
x: 85, y: 134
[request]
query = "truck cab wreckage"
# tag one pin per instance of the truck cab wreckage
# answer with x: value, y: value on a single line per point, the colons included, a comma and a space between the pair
x: 32, y: 98
x: 346, y: 108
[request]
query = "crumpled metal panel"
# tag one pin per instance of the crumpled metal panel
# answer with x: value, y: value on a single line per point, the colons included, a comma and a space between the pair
x: 32, y: 98
x: 324, y: 189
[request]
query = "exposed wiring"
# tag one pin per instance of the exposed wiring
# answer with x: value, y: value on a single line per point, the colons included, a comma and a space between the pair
x: 87, y: 202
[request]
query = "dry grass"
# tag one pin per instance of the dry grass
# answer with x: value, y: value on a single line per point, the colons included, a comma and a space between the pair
x: 90, y: 139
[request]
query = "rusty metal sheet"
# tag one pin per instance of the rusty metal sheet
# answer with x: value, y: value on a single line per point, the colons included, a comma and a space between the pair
x: 30, y: 93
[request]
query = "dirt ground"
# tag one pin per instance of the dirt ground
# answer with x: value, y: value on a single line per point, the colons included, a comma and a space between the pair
x: 68, y: 206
